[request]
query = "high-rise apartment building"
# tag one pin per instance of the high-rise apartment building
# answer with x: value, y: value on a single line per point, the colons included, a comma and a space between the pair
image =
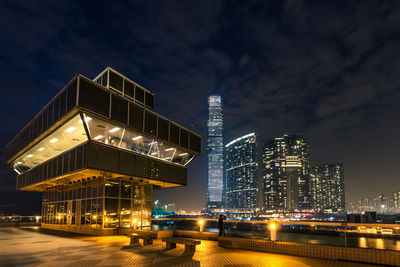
x: 96, y: 152
x: 286, y: 174
x: 215, y: 155
x: 241, y: 176
x: 396, y: 202
x: 327, y: 188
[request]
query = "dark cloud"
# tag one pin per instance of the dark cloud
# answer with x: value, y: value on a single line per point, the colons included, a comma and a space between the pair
x: 327, y: 70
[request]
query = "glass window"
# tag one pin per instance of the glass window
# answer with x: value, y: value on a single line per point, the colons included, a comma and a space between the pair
x: 174, y: 134
x: 83, y: 212
x: 51, y: 115
x: 116, y: 81
x: 126, y: 189
x: 184, y: 138
x: 102, y: 80
x: 63, y: 103
x: 139, y: 94
x: 125, y: 213
x: 136, y: 117
x: 93, y: 97
x: 57, y: 109
x: 83, y: 192
x: 119, y: 109
x: 45, y: 114
x: 112, y: 188
x: 112, y: 135
x: 71, y: 95
x: 163, y: 128
x: 150, y: 123
x: 72, y: 161
x: 195, y: 143
x: 64, y: 138
x: 149, y: 100
x: 129, y: 89
x: 111, y: 213
x: 79, y: 158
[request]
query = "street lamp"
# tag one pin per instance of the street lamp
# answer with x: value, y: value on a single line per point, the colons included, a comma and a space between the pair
x: 201, y: 223
x: 272, y: 228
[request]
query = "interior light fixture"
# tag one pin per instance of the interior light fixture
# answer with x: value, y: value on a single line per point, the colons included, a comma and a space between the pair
x: 153, y: 153
x: 53, y: 140
x: 114, y: 130
x: 19, y: 162
x: 183, y: 154
x: 30, y: 156
x: 137, y: 137
x: 86, y: 119
x: 41, y: 149
x: 153, y: 143
x: 70, y: 129
x: 169, y: 149
x: 98, y: 137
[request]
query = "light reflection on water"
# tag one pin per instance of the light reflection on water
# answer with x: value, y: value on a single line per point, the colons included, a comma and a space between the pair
x: 351, y: 241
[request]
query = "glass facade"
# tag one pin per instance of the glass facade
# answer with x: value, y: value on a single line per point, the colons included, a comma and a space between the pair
x: 286, y: 174
x: 241, y: 173
x: 113, y: 135
x: 117, y: 82
x: 69, y: 135
x: 327, y: 188
x: 215, y: 153
x: 97, y: 202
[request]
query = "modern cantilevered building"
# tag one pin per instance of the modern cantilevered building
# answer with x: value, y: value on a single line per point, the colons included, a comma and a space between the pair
x: 286, y: 175
x: 215, y: 155
x: 241, y: 176
x: 97, y: 151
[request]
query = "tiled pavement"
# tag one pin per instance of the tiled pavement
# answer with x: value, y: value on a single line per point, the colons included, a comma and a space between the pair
x: 34, y: 247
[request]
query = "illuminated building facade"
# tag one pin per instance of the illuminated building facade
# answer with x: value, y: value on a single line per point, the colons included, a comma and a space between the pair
x: 97, y: 151
x: 215, y: 155
x: 241, y: 176
x: 286, y: 174
x: 327, y: 188
x: 396, y: 202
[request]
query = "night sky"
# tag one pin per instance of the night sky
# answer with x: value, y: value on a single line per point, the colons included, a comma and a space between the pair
x: 327, y: 70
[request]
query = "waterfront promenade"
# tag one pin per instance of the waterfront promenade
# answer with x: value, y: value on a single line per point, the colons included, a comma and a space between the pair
x: 31, y: 246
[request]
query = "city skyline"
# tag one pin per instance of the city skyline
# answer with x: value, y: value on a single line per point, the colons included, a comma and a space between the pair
x: 323, y: 70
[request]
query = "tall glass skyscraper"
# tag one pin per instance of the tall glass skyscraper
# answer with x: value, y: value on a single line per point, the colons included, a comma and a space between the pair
x: 215, y: 154
x: 327, y: 187
x: 241, y: 176
x: 286, y: 174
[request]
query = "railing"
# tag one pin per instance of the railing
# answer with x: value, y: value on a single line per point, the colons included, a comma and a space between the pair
x: 20, y: 219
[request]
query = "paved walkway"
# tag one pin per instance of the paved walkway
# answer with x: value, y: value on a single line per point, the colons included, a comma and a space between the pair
x: 32, y: 246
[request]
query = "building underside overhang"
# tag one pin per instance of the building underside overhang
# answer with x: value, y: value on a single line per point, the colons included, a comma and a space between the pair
x: 87, y: 175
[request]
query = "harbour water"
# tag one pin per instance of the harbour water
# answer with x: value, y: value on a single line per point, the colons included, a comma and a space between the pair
x: 350, y: 241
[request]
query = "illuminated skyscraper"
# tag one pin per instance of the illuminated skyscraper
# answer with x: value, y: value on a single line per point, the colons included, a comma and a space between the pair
x: 327, y: 187
x: 215, y: 154
x: 241, y: 176
x: 286, y: 174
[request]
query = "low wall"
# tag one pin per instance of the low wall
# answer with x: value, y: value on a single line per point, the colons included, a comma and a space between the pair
x: 18, y: 224
x: 196, y: 235
x: 159, y: 234
x: 80, y: 229
x: 365, y: 255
